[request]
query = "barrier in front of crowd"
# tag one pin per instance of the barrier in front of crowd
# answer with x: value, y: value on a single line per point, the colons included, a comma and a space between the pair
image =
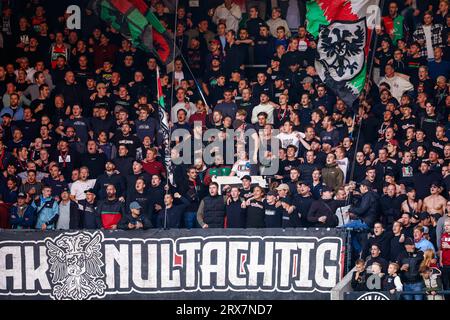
x: 171, y: 264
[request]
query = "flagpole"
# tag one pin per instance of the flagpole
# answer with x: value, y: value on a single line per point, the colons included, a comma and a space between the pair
x: 373, y: 45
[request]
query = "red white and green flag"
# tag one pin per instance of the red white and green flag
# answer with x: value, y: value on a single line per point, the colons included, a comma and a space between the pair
x: 163, y: 113
x: 343, y: 38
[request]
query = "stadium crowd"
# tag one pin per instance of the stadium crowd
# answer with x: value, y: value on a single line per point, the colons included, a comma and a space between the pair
x: 81, y: 144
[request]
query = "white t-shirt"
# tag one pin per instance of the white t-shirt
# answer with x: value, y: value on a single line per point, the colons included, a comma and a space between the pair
x: 267, y: 108
x: 343, y: 165
x: 78, y: 188
x: 242, y: 168
x: 290, y: 139
x: 428, y: 42
x: 182, y: 105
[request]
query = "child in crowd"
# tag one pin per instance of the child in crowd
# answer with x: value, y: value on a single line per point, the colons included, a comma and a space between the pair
x: 392, y: 282
x: 359, y: 276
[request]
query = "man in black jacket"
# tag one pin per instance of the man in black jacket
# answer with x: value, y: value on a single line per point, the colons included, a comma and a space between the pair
x: 423, y: 179
x: 397, y: 239
x: 90, y: 217
x: 135, y: 220
x: 110, y: 177
x: 409, y: 271
x: 171, y: 215
x: 375, y: 256
x: 302, y: 201
x: 390, y: 206
x: 365, y: 214
x: 93, y: 159
x: 138, y: 193
x: 192, y: 189
x: 322, y: 211
x: 235, y: 209
x: 381, y: 238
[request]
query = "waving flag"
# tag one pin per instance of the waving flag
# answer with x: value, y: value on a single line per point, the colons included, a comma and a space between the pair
x: 343, y: 39
x: 164, y: 128
x: 134, y: 20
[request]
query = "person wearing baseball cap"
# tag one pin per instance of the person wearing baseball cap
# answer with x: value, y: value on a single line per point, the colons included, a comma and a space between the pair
x: 87, y: 208
x: 435, y: 202
x: 322, y: 211
x: 69, y: 217
x: 22, y: 215
x: 134, y: 219
x: 409, y: 262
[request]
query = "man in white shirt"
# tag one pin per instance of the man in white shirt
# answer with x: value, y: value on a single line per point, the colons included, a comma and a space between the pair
x: 230, y: 13
x: 288, y: 136
x: 265, y: 105
x: 398, y: 84
x: 276, y: 21
x: 182, y: 103
x: 78, y: 188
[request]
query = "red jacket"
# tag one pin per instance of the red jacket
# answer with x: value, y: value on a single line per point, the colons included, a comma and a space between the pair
x: 153, y: 167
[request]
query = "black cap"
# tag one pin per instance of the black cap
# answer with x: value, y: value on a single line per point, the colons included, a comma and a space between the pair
x: 7, y: 114
x: 409, y: 242
x: 366, y: 183
x: 302, y: 182
x: 410, y: 189
x: 90, y: 190
x: 424, y: 215
x: 436, y: 184
x: 327, y: 189
x: 416, y: 216
x: 65, y: 189
x: 21, y: 195
x: 246, y: 177
x: 272, y: 193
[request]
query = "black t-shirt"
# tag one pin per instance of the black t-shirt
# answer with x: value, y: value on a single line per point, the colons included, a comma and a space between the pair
x: 46, y: 104
x: 256, y: 214
x: 273, y: 215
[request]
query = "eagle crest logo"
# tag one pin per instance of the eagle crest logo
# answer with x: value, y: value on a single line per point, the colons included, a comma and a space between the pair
x: 75, y: 265
x: 341, y: 48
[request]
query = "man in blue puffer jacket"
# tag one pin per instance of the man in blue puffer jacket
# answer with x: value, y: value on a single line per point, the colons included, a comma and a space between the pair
x: 47, y: 210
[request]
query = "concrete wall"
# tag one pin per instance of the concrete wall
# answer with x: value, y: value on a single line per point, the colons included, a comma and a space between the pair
x: 337, y: 293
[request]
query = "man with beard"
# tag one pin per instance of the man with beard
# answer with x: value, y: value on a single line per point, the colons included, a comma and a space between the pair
x: 110, y: 177
x: 111, y: 210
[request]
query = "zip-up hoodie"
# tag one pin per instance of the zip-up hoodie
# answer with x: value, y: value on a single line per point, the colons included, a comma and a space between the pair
x: 111, y: 211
